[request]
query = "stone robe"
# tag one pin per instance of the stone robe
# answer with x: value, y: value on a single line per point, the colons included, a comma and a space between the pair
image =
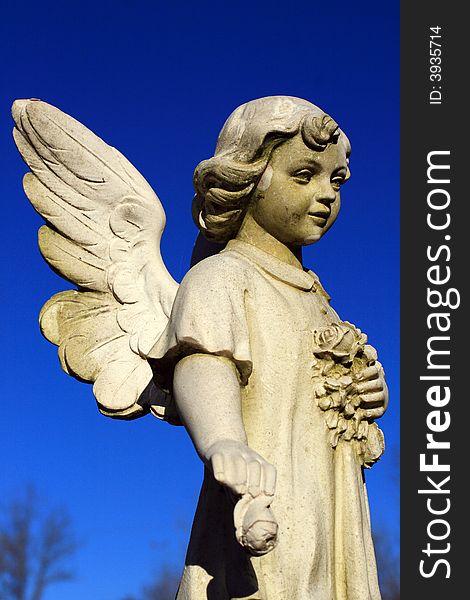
x: 259, y: 312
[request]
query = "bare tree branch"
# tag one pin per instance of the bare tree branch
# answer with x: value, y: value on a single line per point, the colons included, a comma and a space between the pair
x: 15, y: 545
x: 34, y: 547
x: 164, y: 587
x: 388, y: 564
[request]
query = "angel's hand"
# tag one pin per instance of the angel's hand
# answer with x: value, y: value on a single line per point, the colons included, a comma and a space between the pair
x: 240, y: 468
x: 373, y: 391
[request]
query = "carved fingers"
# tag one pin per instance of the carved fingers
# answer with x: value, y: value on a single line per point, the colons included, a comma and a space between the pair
x: 241, y: 469
x: 371, y: 413
x: 373, y: 391
x: 253, y: 480
x: 372, y: 372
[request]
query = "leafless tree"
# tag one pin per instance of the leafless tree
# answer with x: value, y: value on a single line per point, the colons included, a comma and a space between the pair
x: 164, y: 587
x: 34, y: 547
x: 387, y: 564
x: 166, y: 583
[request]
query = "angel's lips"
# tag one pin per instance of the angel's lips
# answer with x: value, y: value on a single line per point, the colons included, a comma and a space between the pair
x: 319, y: 218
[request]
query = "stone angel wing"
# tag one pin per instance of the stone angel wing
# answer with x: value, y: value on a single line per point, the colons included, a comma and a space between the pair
x: 103, y: 229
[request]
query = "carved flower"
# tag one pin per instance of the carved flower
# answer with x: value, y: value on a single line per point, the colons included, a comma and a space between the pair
x: 340, y: 355
x: 255, y: 525
x: 340, y: 340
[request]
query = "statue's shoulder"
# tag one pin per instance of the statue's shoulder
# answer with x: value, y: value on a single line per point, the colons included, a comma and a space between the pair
x: 224, y: 270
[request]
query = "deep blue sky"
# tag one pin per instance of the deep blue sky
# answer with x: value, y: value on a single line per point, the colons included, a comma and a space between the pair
x: 157, y: 82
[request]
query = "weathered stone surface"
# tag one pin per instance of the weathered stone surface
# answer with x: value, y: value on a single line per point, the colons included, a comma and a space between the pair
x: 278, y: 394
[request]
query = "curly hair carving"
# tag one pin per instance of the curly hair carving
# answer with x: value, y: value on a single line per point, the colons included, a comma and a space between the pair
x: 225, y: 183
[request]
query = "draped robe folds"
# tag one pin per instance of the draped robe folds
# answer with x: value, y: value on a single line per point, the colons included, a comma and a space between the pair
x: 259, y: 312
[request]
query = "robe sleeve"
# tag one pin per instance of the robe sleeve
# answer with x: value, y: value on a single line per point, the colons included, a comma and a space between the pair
x: 208, y: 316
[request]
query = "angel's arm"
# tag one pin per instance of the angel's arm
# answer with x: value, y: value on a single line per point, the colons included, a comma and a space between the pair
x: 207, y: 393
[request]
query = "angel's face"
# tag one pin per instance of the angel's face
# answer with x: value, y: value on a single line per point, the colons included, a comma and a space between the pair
x: 298, y: 197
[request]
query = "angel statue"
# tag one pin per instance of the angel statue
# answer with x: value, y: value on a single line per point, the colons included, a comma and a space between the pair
x: 277, y: 393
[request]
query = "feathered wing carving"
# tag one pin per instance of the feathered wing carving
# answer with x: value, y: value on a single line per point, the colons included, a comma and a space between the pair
x: 103, y: 229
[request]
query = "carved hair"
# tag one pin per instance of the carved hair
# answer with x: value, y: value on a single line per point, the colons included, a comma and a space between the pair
x: 225, y: 183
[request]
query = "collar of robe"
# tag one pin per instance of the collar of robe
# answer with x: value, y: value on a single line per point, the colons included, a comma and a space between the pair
x: 303, y: 280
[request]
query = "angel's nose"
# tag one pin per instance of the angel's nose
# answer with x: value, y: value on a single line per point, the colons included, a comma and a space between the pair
x: 325, y: 194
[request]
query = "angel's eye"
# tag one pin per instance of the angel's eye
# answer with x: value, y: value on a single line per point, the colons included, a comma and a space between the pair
x: 337, y: 182
x: 303, y: 176
x: 338, y: 179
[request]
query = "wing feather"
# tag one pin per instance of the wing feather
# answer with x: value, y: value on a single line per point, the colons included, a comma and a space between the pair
x: 73, y: 222
x: 75, y: 263
x: 103, y: 229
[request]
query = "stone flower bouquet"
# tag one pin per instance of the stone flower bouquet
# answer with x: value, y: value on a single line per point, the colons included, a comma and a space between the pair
x: 340, y: 356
